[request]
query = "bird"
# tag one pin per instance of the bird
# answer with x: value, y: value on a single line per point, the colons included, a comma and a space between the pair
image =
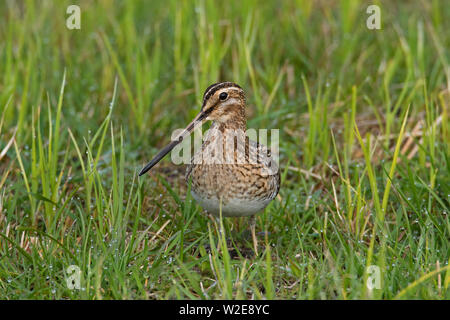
x: 230, y: 175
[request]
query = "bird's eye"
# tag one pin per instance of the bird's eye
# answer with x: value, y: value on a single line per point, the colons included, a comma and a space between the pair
x: 223, y: 96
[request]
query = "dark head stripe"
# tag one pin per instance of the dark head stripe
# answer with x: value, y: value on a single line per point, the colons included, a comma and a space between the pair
x: 217, y: 86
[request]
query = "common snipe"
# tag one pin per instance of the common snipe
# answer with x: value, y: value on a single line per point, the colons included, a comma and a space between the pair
x: 230, y: 174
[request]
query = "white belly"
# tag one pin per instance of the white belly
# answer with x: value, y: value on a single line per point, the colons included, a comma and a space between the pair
x: 232, y: 207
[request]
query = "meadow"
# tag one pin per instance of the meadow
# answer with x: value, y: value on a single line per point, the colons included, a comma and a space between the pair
x: 364, y: 149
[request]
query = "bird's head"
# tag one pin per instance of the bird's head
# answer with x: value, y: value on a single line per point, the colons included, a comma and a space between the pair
x: 223, y: 102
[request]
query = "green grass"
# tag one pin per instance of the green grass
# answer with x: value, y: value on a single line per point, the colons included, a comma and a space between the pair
x: 364, y: 149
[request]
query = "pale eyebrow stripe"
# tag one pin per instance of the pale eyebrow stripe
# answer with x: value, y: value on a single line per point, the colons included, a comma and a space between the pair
x: 216, y: 87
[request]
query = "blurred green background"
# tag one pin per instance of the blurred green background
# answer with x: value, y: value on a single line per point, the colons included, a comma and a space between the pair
x: 364, y: 141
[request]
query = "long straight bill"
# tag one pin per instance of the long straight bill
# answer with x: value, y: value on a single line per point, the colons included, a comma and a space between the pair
x: 198, y: 121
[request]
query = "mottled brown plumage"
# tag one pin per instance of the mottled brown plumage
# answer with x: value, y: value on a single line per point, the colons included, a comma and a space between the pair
x: 245, y: 186
x: 230, y: 174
